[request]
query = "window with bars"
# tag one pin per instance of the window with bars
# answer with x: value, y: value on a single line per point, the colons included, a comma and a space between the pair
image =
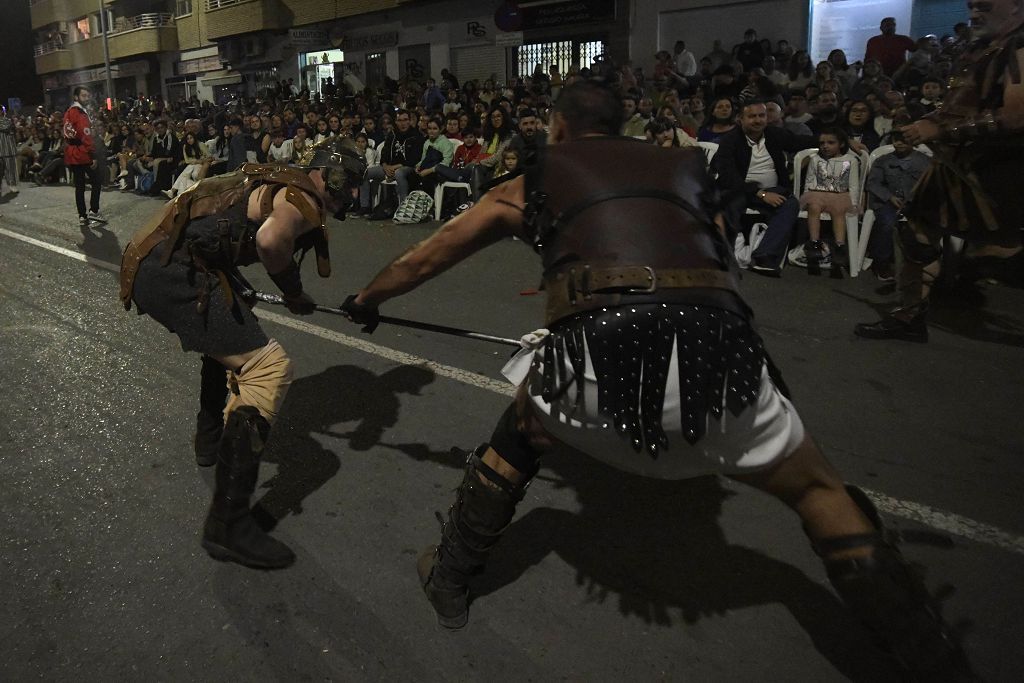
x: 564, y: 53
x: 182, y: 7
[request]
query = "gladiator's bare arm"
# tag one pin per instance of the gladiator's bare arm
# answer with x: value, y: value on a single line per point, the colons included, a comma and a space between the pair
x: 497, y: 215
x: 275, y: 240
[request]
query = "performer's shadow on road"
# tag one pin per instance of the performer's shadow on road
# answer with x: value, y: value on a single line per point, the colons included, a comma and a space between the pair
x: 101, y: 244
x: 656, y: 547
x: 315, y: 405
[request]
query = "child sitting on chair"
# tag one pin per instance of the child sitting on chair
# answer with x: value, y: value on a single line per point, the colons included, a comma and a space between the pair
x: 832, y: 172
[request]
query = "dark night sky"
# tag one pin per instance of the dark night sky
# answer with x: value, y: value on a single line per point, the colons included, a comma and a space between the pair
x: 17, y: 67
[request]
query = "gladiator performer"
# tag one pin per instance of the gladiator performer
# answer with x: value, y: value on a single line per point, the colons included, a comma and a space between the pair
x: 649, y: 362
x: 972, y: 189
x: 182, y: 270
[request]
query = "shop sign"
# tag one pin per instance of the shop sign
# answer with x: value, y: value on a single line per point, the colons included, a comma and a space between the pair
x: 371, y: 42
x: 535, y: 14
x: 307, y: 37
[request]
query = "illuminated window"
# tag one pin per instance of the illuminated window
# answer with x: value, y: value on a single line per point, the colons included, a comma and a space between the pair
x: 564, y: 53
x: 83, y: 28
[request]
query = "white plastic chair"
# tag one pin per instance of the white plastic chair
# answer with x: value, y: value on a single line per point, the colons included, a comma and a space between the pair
x: 869, y: 214
x: 853, y: 237
x: 710, y: 149
x: 448, y: 185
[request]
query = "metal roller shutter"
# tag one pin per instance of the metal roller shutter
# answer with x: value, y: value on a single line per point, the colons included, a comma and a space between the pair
x: 479, y: 62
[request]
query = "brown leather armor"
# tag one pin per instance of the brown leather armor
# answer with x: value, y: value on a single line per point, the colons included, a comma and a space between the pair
x: 218, y: 195
x: 618, y: 221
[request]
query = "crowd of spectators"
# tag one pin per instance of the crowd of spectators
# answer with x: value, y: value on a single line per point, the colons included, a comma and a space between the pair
x: 417, y: 134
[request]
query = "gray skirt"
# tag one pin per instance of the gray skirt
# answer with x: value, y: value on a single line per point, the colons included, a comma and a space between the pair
x: 170, y: 295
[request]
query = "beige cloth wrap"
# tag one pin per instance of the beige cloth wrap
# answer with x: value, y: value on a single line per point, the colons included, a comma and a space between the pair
x: 262, y: 382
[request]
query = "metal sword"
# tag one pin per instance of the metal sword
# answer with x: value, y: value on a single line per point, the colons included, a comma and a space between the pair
x: 277, y: 300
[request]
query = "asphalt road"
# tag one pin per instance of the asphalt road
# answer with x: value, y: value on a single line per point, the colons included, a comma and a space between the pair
x: 603, y: 576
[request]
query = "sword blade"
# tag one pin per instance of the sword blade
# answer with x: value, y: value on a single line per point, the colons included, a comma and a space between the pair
x: 277, y: 300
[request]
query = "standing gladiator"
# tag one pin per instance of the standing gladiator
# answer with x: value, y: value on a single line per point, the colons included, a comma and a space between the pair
x: 649, y: 362
x: 182, y: 271
x: 972, y: 189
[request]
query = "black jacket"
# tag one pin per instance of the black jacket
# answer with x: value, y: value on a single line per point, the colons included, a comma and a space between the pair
x: 402, y: 149
x: 732, y: 161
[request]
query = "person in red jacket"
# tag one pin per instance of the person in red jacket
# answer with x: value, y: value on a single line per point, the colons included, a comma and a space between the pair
x: 79, y: 156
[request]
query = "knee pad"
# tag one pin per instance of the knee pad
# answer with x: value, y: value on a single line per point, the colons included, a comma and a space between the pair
x: 262, y: 382
x: 914, y: 250
x: 513, y: 446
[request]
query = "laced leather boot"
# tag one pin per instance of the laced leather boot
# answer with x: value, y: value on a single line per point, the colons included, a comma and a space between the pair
x: 481, y: 513
x: 889, y: 597
x: 231, y: 534
x: 893, y: 327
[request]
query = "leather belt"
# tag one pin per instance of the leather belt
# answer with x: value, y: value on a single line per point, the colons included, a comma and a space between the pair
x: 585, y: 287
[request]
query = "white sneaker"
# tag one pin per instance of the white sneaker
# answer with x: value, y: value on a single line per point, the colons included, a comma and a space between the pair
x: 122, y: 184
x: 83, y: 221
x: 167, y: 193
x: 122, y: 174
x: 97, y: 217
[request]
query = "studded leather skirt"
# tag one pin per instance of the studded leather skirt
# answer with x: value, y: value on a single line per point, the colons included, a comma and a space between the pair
x: 716, y: 355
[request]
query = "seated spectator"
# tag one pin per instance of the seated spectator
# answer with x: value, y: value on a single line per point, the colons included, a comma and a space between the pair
x: 633, y: 122
x: 775, y: 120
x: 752, y: 173
x: 281, y: 150
x: 399, y: 154
x: 437, y: 149
x: 832, y: 180
x: 844, y: 73
x: 722, y: 121
x: 890, y: 182
x: 217, y: 148
x: 301, y: 141
x: 322, y: 132
x: 197, y: 162
x: 165, y: 157
x: 932, y: 91
x: 374, y: 136
x: 801, y: 71
x: 237, y: 147
x: 529, y: 140
x: 661, y: 132
x: 868, y: 83
x: 826, y: 112
x: 859, y: 124
x: 778, y: 78
x: 452, y: 131
x: 509, y: 163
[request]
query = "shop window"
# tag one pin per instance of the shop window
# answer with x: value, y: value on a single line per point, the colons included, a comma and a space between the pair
x: 564, y: 53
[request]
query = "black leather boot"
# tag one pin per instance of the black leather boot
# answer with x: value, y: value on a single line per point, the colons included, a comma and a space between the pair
x: 476, y: 521
x: 231, y: 534
x: 891, y: 327
x: 840, y: 261
x: 889, y: 597
x: 213, y: 393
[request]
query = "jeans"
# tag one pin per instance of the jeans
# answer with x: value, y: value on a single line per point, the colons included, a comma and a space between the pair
x: 880, y: 244
x: 375, y: 176
x: 80, y: 172
x: 781, y: 220
x: 453, y: 175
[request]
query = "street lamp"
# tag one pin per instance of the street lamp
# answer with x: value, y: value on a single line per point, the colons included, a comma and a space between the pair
x: 106, y: 50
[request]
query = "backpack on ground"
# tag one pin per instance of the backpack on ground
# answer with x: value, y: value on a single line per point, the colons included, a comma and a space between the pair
x: 415, y: 208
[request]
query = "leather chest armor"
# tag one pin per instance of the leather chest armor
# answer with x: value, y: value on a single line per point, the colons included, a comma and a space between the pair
x: 618, y: 221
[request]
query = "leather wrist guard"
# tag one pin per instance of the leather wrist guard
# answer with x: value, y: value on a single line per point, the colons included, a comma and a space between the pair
x: 289, y: 281
x: 986, y: 124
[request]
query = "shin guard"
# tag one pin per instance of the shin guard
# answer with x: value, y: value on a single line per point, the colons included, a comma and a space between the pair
x: 889, y: 597
x: 483, y: 509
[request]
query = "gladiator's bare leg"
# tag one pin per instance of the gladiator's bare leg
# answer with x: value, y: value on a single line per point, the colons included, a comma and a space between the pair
x: 811, y: 487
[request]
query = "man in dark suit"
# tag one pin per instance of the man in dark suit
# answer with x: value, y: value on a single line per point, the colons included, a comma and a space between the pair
x: 751, y: 168
x: 236, y: 145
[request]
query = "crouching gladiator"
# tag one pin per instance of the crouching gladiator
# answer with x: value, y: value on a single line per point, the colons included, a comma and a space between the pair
x: 649, y: 362
x: 182, y: 270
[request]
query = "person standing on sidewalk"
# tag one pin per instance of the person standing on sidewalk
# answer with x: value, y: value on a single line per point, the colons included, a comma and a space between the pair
x: 8, y: 158
x: 80, y: 157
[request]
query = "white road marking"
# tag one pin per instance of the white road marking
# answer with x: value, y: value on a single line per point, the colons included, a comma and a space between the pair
x: 937, y: 519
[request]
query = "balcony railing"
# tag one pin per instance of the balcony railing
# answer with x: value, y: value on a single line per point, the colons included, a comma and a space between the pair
x: 47, y: 47
x: 150, y: 20
x: 217, y: 4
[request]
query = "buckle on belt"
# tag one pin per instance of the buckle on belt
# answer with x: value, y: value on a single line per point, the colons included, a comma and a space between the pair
x: 652, y: 287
